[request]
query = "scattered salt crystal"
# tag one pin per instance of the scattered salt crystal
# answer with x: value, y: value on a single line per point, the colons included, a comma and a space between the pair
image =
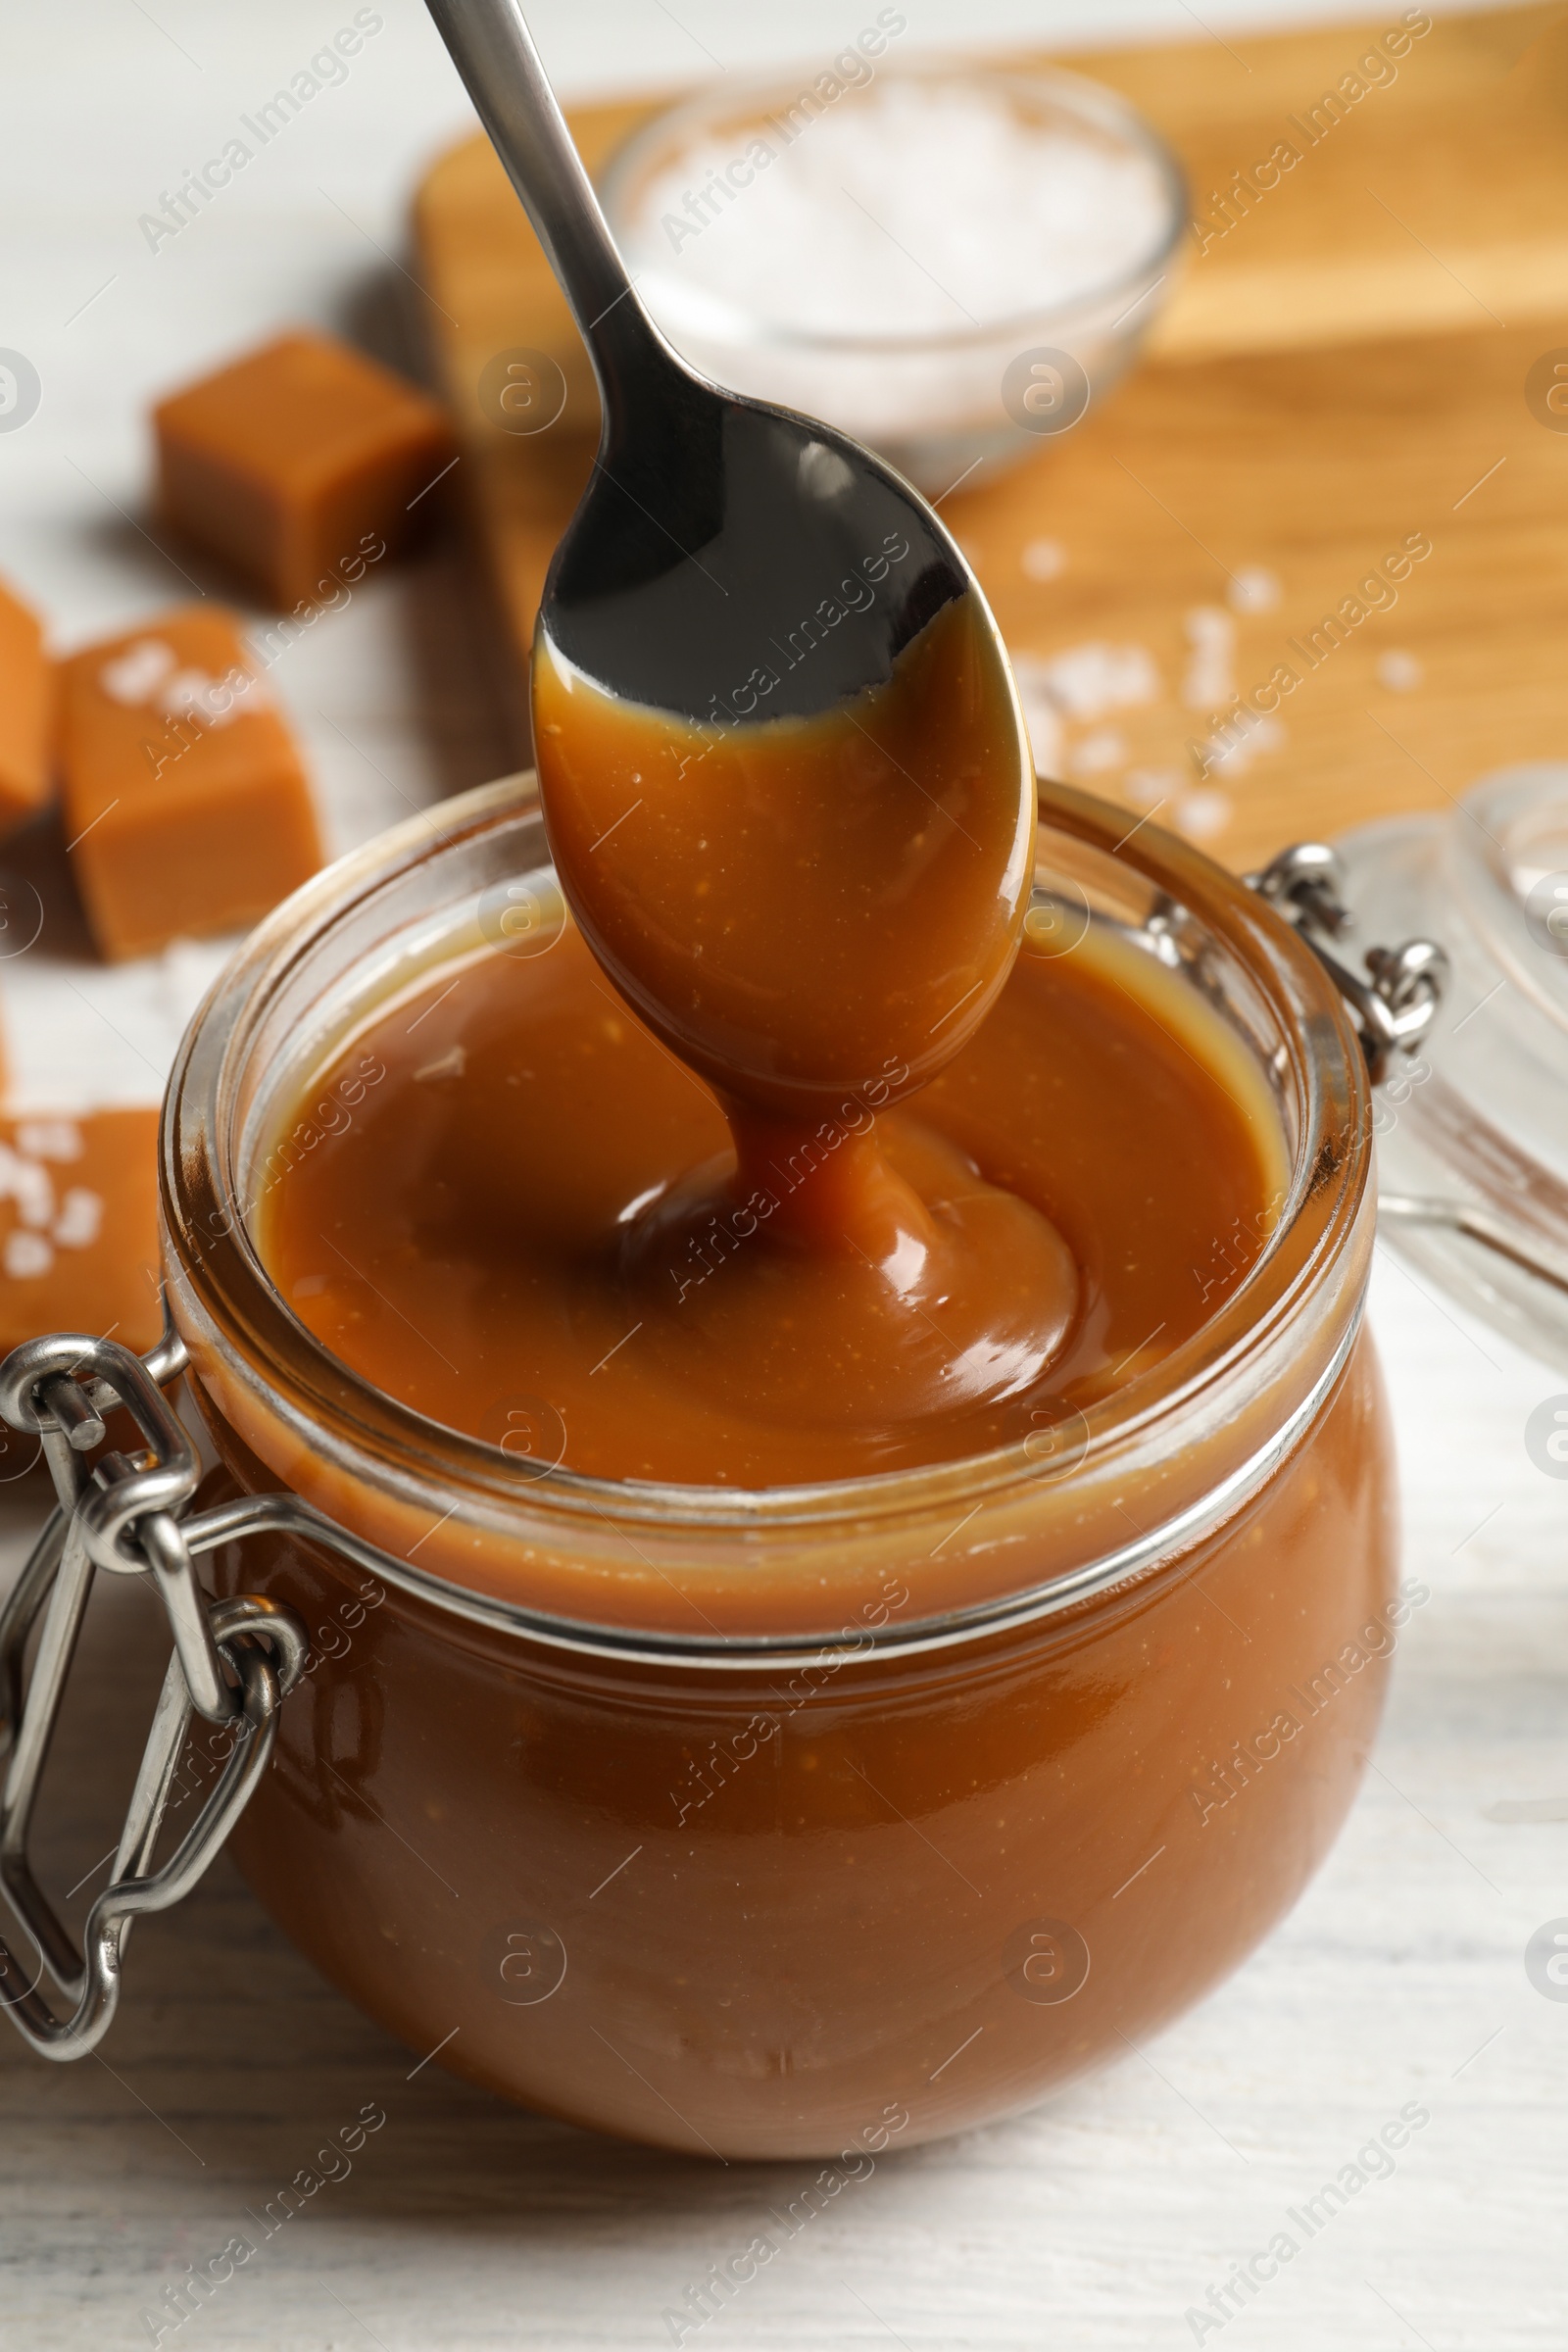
x: 80, y: 1219
x: 49, y: 1139
x: 1097, y: 753
x: 28, y: 1255
x: 215, y: 702
x: 29, y: 1185
x: 1399, y: 671
x: 914, y: 206
x: 1253, y: 589
x: 1233, y: 749
x: 1210, y: 679
x: 145, y: 673
x: 1088, y: 680
x: 1046, y: 732
x: 1201, y: 814
x: 135, y: 676
x: 1043, y: 560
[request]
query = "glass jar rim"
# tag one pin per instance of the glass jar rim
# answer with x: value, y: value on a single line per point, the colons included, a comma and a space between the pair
x: 1091, y: 101
x: 216, y: 1279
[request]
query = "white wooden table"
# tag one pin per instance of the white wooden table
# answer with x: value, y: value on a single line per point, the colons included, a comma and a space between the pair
x: 1096, y: 2223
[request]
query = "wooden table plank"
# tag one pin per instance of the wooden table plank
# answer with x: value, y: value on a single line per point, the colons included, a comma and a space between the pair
x: 1315, y: 464
x: 1434, y: 202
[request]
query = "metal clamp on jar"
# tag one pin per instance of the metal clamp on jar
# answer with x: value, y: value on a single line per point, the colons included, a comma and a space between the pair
x: 234, y: 1661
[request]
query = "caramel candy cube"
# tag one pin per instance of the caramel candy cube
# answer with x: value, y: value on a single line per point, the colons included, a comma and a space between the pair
x: 78, y: 1227
x: 27, y: 693
x: 300, y: 464
x: 186, y: 806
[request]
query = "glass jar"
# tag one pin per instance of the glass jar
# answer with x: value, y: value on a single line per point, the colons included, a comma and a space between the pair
x: 781, y: 1823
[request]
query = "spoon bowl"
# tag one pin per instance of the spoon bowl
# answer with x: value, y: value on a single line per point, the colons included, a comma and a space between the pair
x: 721, y: 540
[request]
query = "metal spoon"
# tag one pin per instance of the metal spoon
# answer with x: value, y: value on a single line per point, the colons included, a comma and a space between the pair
x: 718, y: 533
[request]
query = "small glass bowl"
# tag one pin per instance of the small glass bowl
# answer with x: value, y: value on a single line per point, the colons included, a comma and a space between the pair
x: 942, y: 403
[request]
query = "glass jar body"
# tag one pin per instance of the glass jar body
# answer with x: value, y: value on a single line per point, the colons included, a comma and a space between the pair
x: 794, y: 1914
x: 968, y: 1776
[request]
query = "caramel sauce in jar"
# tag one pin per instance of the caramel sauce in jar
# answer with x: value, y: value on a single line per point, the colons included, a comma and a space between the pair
x: 536, y: 1200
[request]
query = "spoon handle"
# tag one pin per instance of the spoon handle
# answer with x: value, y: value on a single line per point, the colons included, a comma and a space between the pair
x: 493, y: 50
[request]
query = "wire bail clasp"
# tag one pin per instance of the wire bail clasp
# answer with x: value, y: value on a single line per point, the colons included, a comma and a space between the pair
x: 1397, y: 1002
x: 233, y: 1663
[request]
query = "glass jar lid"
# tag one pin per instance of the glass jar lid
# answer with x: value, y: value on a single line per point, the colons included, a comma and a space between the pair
x: 1473, y: 1131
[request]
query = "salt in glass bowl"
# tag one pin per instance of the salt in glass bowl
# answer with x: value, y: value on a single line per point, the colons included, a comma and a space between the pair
x: 851, y: 318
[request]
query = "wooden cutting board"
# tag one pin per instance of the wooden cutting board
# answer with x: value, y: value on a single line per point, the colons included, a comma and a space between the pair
x: 1339, y: 372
